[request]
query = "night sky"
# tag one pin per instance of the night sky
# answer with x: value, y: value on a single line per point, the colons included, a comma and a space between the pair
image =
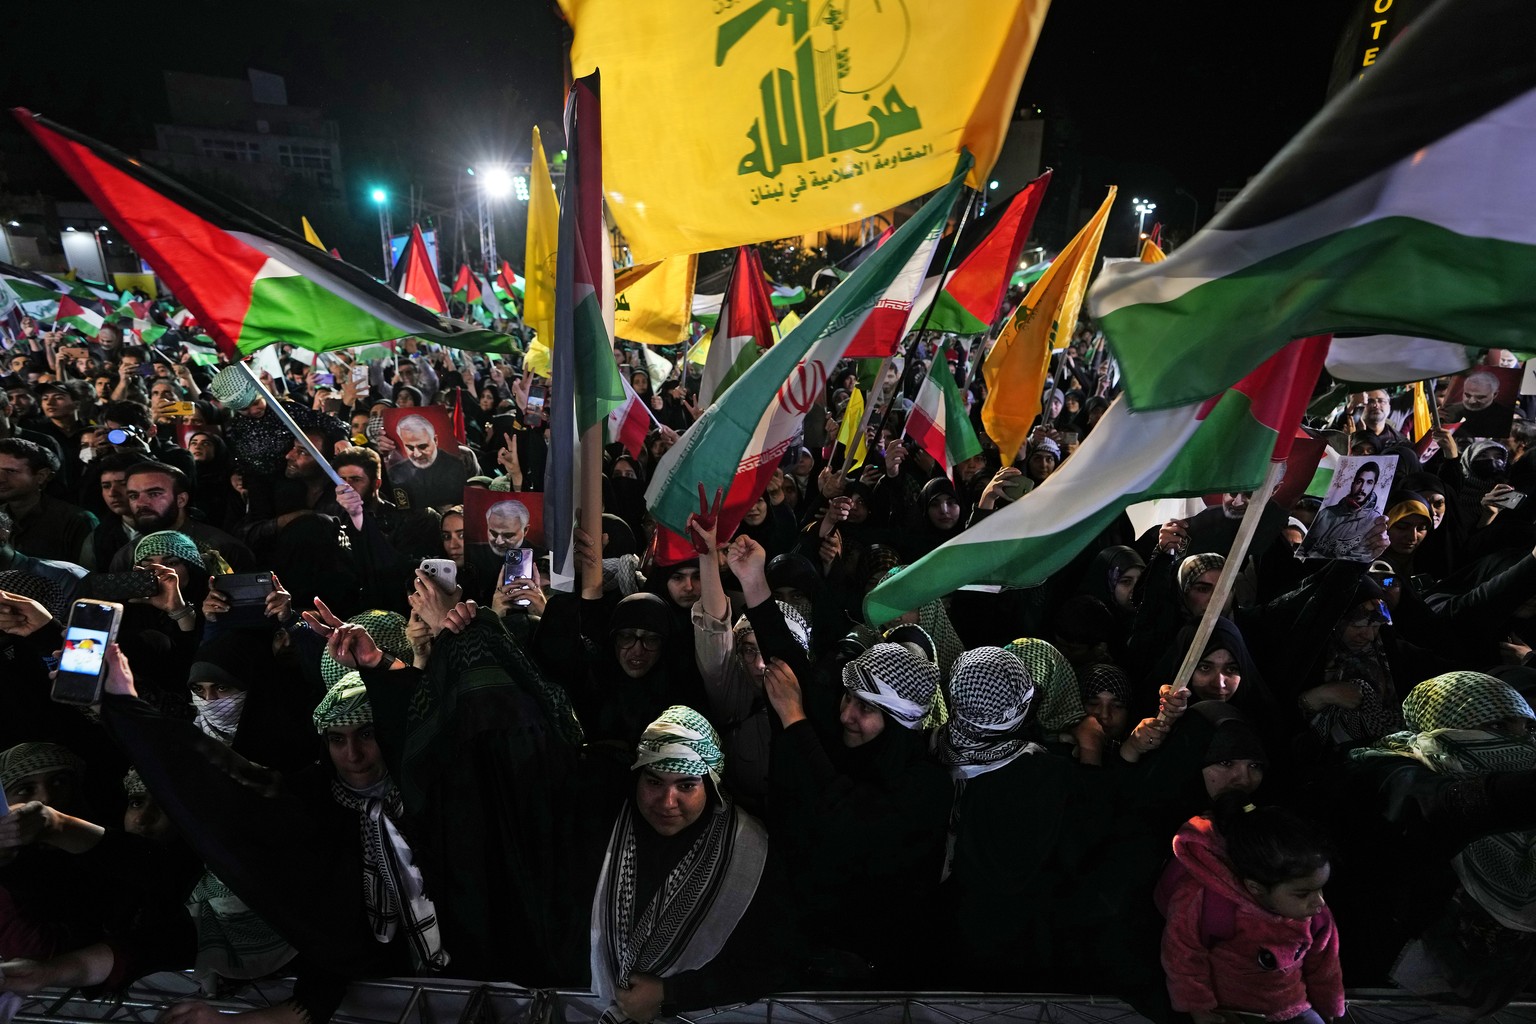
x: 1159, y: 95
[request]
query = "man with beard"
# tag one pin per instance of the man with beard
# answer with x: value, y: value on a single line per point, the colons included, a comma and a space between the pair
x: 1375, y: 408
x: 429, y: 476
x: 506, y: 524
x: 1479, y: 412
x: 1214, y: 530
x: 1346, y: 528
x: 158, y: 496
x: 45, y: 527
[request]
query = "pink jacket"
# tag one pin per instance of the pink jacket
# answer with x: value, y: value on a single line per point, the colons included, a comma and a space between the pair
x: 1222, y: 950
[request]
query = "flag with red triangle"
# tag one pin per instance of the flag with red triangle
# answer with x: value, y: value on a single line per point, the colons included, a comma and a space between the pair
x: 465, y: 288
x: 744, y: 329
x: 630, y: 422
x: 249, y: 280
x: 415, y: 277
x: 72, y: 314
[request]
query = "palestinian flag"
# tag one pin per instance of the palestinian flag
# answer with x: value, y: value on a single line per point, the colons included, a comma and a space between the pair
x: 630, y: 422
x: 586, y: 382
x: 938, y: 420
x: 973, y: 292
x: 36, y: 294
x: 465, y: 288
x: 72, y: 314
x: 743, y: 332
x: 415, y: 276
x: 1226, y: 444
x: 738, y: 444
x: 509, y: 283
x: 1404, y: 208
x: 250, y: 281
x: 489, y: 300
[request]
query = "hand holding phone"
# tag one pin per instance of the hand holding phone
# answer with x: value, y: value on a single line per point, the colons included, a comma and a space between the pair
x: 92, y: 627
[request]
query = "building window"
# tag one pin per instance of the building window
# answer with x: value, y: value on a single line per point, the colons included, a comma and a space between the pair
x: 304, y: 158
x: 236, y: 150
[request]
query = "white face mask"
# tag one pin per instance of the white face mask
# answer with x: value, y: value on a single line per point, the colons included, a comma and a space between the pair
x: 87, y: 454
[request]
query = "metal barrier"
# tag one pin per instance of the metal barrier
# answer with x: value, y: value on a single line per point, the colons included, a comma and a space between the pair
x: 439, y: 1001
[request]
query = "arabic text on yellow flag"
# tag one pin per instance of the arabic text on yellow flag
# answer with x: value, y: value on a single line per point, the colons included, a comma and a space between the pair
x: 780, y: 117
x: 310, y: 235
x: 853, y: 418
x: 539, y: 261
x: 1015, y: 368
x: 1423, y: 422
x: 653, y: 304
x: 1151, y: 252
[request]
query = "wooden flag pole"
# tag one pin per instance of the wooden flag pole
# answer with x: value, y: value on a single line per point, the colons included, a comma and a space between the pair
x: 1229, y: 571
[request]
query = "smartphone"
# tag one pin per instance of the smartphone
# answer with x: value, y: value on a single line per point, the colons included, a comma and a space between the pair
x: 247, y: 593
x: 83, y: 664
x: 536, y: 394
x: 328, y: 379
x: 517, y: 566
x: 443, y: 572
x: 1509, y: 499
x: 146, y: 369
x: 123, y: 586
x: 180, y: 409
x: 333, y: 407
x: 360, y: 378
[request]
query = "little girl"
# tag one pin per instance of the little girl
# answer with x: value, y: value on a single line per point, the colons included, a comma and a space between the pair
x: 1247, y: 930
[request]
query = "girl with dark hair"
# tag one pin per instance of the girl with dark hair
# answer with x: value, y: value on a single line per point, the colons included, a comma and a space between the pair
x: 1248, y: 931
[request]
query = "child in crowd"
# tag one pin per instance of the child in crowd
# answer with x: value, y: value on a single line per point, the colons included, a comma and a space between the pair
x: 1248, y: 934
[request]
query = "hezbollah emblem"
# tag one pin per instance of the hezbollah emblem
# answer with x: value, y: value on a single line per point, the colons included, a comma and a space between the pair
x: 840, y: 95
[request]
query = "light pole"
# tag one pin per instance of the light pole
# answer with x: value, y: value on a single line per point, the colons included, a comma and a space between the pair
x: 381, y: 200
x: 1142, y: 208
x: 495, y: 183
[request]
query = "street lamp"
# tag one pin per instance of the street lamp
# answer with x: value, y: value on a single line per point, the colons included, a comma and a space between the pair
x: 381, y: 200
x: 1142, y: 208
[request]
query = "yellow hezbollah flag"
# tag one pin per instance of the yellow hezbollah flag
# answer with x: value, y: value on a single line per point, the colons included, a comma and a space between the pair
x: 1151, y: 253
x: 743, y: 121
x: 783, y: 327
x: 853, y: 418
x: 1045, y: 320
x: 539, y: 261
x: 1423, y: 422
x: 653, y: 304
x: 310, y: 236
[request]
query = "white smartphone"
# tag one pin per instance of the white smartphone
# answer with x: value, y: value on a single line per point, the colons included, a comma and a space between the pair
x: 443, y: 572
x: 83, y: 663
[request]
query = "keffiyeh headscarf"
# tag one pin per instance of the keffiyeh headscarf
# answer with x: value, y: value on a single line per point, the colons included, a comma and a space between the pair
x: 890, y: 677
x: 1444, y: 716
x: 990, y: 694
x: 798, y: 627
x: 345, y: 703
x: 24, y: 759
x: 1195, y: 566
x: 39, y: 588
x: 681, y: 742
x: 169, y: 544
x: 133, y: 784
x: 1056, y: 690
x: 387, y: 630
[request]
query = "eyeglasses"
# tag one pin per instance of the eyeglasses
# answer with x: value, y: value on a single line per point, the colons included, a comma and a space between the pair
x: 627, y: 638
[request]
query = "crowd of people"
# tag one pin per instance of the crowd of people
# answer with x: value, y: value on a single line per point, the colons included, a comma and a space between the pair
x: 695, y: 783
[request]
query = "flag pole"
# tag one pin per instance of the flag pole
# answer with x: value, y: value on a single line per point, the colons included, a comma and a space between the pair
x: 1434, y: 406
x: 276, y: 408
x: 885, y: 367
x: 1229, y: 571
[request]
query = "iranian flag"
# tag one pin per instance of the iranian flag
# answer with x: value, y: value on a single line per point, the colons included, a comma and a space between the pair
x: 1403, y: 209
x: 250, y: 281
x: 1225, y: 444
x: 72, y: 314
x: 744, y: 330
x: 938, y: 420
x: 973, y: 292
x: 738, y: 444
x: 630, y: 422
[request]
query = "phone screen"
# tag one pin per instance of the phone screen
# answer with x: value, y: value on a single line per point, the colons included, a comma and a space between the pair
x: 328, y: 379
x: 82, y: 663
x: 536, y: 397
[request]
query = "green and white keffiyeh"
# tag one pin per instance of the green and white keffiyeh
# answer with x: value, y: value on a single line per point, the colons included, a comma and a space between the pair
x: 1444, y: 715
x: 345, y: 703
x: 681, y: 742
x: 24, y: 759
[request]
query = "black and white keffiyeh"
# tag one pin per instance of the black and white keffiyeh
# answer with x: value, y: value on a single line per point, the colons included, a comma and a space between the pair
x: 392, y: 886
x: 219, y: 718
x: 694, y: 911
x: 893, y: 679
x: 990, y: 694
